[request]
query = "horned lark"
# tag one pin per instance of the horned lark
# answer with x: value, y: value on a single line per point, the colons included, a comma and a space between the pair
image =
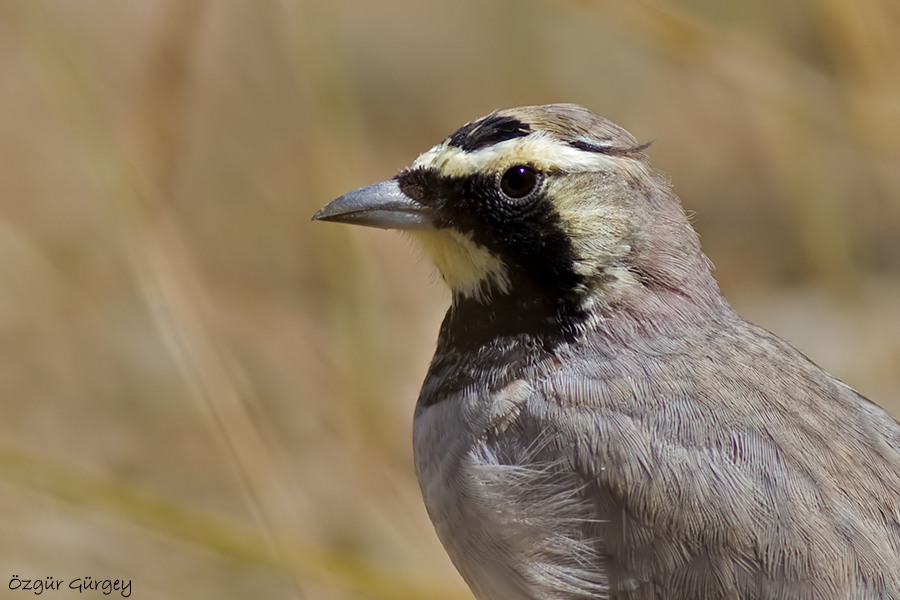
x: 597, y: 422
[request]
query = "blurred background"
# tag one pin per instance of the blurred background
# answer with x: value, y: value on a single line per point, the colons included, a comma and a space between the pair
x: 206, y: 394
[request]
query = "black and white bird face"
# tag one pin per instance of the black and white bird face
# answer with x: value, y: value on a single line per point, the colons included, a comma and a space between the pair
x: 596, y: 421
x: 550, y: 212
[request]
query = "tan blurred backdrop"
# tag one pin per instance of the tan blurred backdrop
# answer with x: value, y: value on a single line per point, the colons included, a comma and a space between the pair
x: 206, y: 394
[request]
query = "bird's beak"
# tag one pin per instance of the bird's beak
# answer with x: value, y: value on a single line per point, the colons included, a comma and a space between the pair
x: 380, y: 205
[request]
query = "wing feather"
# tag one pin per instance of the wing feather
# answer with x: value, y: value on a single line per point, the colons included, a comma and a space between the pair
x: 754, y: 474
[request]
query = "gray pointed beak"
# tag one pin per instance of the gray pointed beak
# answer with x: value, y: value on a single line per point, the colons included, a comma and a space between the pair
x: 380, y: 205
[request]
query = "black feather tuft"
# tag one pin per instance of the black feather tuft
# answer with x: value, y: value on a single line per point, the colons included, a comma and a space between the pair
x: 488, y: 131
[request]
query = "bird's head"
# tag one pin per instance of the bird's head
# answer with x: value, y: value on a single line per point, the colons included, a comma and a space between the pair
x: 550, y: 208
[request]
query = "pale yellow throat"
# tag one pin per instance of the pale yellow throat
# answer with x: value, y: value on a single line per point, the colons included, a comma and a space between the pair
x: 467, y: 268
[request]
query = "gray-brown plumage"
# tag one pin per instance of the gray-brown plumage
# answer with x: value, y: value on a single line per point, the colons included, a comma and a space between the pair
x: 597, y: 422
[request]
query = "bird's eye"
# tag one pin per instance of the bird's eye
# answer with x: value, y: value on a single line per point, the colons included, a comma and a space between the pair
x: 518, y: 181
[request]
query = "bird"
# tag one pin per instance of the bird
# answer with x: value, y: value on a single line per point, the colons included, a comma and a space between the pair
x: 597, y: 421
